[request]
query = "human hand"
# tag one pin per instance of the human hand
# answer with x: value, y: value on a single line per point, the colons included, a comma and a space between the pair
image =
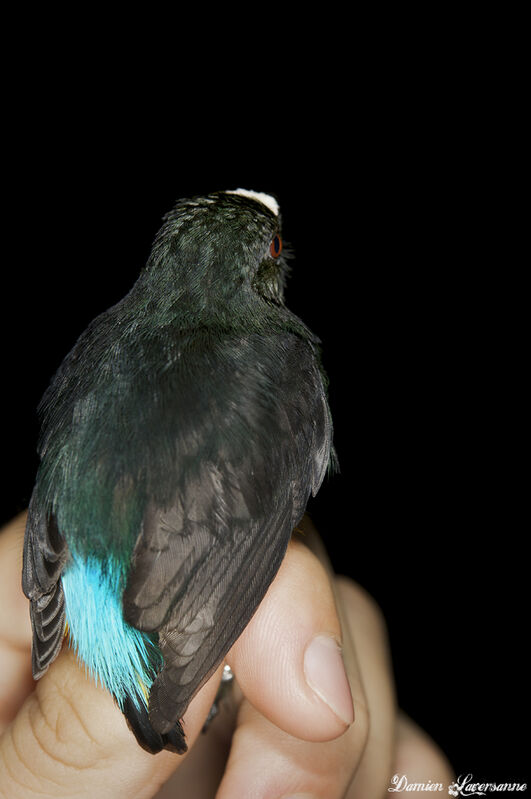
x: 285, y: 729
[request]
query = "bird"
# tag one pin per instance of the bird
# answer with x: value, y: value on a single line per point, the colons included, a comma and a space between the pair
x: 181, y: 439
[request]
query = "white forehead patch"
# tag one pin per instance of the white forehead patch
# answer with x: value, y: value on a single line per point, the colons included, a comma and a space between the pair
x: 266, y: 199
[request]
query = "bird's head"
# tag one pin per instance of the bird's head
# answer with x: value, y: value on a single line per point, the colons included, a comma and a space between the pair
x: 219, y: 251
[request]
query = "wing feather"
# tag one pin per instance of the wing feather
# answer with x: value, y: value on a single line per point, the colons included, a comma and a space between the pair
x: 202, y: 565
x: 45, y: 553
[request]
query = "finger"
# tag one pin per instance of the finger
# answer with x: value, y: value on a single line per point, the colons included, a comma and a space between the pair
x: 199, y: 776
x: 69, y: 736
x: 15, y: 629
x: 287, y: 741
x: 368, y: 630
x: 418, y: 759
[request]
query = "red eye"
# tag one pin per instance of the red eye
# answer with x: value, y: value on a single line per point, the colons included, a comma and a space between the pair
x: 276, y: 246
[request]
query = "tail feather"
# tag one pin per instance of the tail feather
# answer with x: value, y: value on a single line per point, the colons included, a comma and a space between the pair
x: 150, y: 740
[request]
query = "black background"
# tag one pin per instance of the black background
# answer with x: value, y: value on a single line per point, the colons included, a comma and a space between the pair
x: 390, y: 201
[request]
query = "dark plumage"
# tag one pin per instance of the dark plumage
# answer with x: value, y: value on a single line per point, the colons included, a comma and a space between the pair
x: 181, y: 439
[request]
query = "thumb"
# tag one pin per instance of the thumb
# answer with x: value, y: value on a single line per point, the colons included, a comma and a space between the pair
x: 288, y: 662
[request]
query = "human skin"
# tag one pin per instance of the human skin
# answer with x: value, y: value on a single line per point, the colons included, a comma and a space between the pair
x: 301, y: 721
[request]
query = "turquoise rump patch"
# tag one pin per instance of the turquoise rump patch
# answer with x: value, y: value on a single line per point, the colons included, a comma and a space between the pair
x: 116, y: 655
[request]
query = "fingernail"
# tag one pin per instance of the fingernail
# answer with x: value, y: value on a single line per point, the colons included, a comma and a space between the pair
x: 325, y: 674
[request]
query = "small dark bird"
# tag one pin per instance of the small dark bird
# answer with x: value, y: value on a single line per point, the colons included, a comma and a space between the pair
x: 181, y: 439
